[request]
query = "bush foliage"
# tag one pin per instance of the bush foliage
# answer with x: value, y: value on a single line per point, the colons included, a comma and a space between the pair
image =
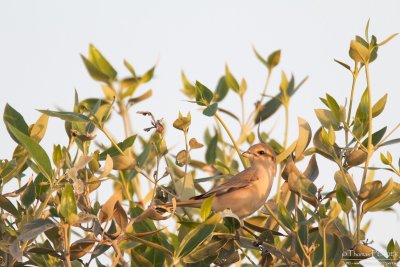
x: 54, y: 219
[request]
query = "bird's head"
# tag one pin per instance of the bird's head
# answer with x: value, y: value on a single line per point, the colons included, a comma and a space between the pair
x: 260, y: 154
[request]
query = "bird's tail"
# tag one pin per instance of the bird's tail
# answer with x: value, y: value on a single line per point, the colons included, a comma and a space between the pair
x: 191, y: 203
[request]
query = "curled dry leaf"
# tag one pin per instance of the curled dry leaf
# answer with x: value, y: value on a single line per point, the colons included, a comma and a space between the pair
x: 107, y: 210
x: 81, y: 247
x: 181, y: 158
x: 370, y: 190
x: 108, y: 166
x: 120, y: 216
x: 194, y: 144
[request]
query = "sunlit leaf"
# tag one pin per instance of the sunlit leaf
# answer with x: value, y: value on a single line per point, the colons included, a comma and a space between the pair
x: 304, y: 136
x: 206, y: 207
x: 101, y: 63
x: 68, y: 208
x: 35, y: 150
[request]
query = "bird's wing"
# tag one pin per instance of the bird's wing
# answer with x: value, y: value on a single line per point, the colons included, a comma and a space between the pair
x: 240, y: 180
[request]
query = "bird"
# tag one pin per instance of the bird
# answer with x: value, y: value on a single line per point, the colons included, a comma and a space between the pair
x: 248, y: 190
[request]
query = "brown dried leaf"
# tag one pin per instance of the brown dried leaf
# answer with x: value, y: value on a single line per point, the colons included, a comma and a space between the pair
x: 107, y: 210
x: 81, y: 247
x: 120, y: 216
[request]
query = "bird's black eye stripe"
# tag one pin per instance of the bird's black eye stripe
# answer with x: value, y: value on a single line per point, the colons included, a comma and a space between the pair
x: 261, y: 152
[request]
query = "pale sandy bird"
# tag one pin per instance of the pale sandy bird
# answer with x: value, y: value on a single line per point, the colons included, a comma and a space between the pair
x: 248, y: 190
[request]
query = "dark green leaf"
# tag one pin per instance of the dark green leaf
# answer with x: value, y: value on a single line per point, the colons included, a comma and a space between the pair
x: 211, y: 153
x: 211, y: 110
x: 6, y: 205
x: 204, y: 95
x: 376, y: 137
x: 35, y: 150
x: 112, y: 151
x: 34, y: 228
x: 231, y: 80
x: 29, y: 194
x: 65, y: 115
x: 222, y: 89
x: 41, y: 185
x: 194, y: 238
x: 343, y: 64
x: 14, y: 118
x: 94, y: 72
x: 272, y: 106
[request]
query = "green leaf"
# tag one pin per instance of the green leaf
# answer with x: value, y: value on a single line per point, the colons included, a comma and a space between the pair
x: 379, y: 106
x: 6, y: 205
x: 68, y: 208
x: 94, y: 72
x: 222, y: 90
x: 112, y: 151
x: 376, y: 137
x: 101, y: 63
x: 211, y: 153
x: 194, y: 238
x: 65, y: 115
x: 188, y: 88
x: 41, y: 185
x: 343, y: 200
x: 346, y: 181
x: 273, y: 59
x: 206, y: 207
x: 148, y: 75
x: 211, y: 110
x: 362, y: 109
x: 343, y: 64
x: 333, y: 105
x: 285, y: 216
x: 29, y: 194
x: 268, y: 109
x: 14, y: 118
x: 388, y: 39
x: 327, y: 118
x: 35, y: 150
x: 231, y: 80
x: 262, y: 60
x: 150, y: 244
x: 205, y: 251
x: 204, y: 95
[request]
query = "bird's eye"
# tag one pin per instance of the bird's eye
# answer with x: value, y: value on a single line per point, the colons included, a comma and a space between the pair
x: 261, y: 152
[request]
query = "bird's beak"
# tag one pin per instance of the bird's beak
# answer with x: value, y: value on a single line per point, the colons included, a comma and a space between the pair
x: 247, y: 154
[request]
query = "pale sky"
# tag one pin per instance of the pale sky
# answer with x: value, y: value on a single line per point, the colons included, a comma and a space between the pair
x: 40, y: 43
